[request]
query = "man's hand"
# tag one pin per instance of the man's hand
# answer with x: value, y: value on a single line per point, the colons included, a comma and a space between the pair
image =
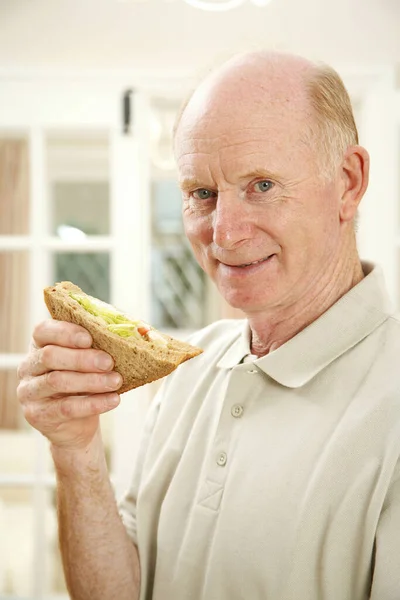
x: 65, y: 384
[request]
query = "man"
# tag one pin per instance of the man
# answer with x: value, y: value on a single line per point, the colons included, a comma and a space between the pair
x: 269, y: 465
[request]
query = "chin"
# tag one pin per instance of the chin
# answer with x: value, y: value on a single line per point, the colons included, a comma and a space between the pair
x: 246, y: 303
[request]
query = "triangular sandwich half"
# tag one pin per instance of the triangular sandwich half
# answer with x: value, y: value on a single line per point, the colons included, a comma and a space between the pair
x: 141, y: 353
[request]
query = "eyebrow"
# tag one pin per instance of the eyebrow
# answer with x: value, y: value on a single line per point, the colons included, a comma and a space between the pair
x: 190, y: 183
x: 259, y: 174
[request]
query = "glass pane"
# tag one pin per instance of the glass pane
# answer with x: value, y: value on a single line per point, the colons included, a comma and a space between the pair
x: 178, y: 284
x: 90, y: 271
x: 167, y: 207
x: 14, y: 298
x: 10, y: 418
x: 80, y: 209
x: 14, y: 185
x: 16, y: 542
x: 78, y: 174
x: 163, y: 113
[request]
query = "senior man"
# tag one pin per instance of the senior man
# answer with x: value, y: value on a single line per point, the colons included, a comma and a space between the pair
x: 268, y: 466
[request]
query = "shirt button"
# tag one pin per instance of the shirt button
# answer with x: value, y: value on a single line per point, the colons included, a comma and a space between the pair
x: 222, y: 458
x: 237, y: 410
x: 252, y: 371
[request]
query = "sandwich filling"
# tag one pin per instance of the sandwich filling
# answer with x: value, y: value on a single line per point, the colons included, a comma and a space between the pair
x: 117, y: 322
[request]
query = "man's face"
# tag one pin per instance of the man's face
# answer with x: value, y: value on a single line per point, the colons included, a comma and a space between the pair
x: 261, y: 223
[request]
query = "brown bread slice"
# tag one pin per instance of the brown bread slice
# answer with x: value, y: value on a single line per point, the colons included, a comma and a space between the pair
x: 138, y: 361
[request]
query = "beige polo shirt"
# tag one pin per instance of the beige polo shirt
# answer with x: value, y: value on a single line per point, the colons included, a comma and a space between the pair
x: 277, y: 479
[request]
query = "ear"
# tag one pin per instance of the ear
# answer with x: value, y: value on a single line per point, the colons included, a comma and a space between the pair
x: 354, y: 180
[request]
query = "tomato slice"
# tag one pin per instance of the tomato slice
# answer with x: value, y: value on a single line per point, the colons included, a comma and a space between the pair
x: 143, y: 330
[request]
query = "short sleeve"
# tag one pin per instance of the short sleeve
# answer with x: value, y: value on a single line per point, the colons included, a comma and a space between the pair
x: 127, y: 505
x: 386, y: 575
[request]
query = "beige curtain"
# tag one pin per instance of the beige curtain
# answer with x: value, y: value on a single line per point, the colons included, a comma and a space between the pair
x: 10, y: 417
x: 14, y: 268
x: 14, y: 187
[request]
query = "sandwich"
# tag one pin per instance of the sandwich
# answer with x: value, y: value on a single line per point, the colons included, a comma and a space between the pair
x: 141, y: 353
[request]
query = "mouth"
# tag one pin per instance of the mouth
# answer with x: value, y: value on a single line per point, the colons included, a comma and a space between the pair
x: 250, y: 264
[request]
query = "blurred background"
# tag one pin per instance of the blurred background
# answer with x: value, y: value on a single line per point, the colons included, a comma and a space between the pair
x: 89, y: 90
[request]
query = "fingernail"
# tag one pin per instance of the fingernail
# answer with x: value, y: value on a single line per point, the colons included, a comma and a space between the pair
x: 113, y: 400
x: 83, y: 340
x: 114, y: 381
x: 103, y: 362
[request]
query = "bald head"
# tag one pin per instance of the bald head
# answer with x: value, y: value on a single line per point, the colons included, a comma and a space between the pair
x: 249, y: 82
x: 266, y: 82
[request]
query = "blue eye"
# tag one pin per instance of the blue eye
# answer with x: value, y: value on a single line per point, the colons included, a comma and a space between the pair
x: 202, y: 194
x: 263, y: 186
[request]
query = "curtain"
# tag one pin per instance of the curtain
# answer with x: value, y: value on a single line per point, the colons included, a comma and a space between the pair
x: 14, y: 268
x: 14, y: 187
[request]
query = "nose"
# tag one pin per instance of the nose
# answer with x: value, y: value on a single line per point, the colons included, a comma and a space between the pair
x: 231, y: 223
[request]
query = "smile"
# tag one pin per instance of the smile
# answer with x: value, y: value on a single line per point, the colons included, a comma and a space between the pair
x: 249, y: 264
x: 256, y: 262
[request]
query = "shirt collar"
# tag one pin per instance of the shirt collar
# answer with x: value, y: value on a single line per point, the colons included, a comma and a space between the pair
x: 352, y: 318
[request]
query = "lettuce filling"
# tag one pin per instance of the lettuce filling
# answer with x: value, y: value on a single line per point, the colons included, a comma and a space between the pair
x: 116, y: 322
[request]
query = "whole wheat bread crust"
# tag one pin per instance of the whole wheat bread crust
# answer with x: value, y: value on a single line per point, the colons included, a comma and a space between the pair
x: 138, y: 361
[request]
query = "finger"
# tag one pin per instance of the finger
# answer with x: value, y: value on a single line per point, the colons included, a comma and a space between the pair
x: 81, y: 407
x: 61, y: 333
x: 67, y: 383
x: 57, y: 358
x: 62, y: 410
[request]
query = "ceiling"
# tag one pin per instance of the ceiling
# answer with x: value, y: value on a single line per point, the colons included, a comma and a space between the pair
x: 158, y: 35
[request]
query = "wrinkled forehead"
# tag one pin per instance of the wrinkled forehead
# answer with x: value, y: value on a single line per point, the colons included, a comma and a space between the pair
x: 245, y: 111
x: 240, y: 130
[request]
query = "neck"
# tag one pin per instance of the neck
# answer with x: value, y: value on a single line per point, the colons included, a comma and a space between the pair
x: 271, y: 329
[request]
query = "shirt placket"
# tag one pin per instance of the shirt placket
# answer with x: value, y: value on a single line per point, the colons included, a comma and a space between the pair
x: 242, y: 381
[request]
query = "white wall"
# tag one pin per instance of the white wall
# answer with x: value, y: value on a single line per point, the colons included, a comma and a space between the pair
x: 169, y: 35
